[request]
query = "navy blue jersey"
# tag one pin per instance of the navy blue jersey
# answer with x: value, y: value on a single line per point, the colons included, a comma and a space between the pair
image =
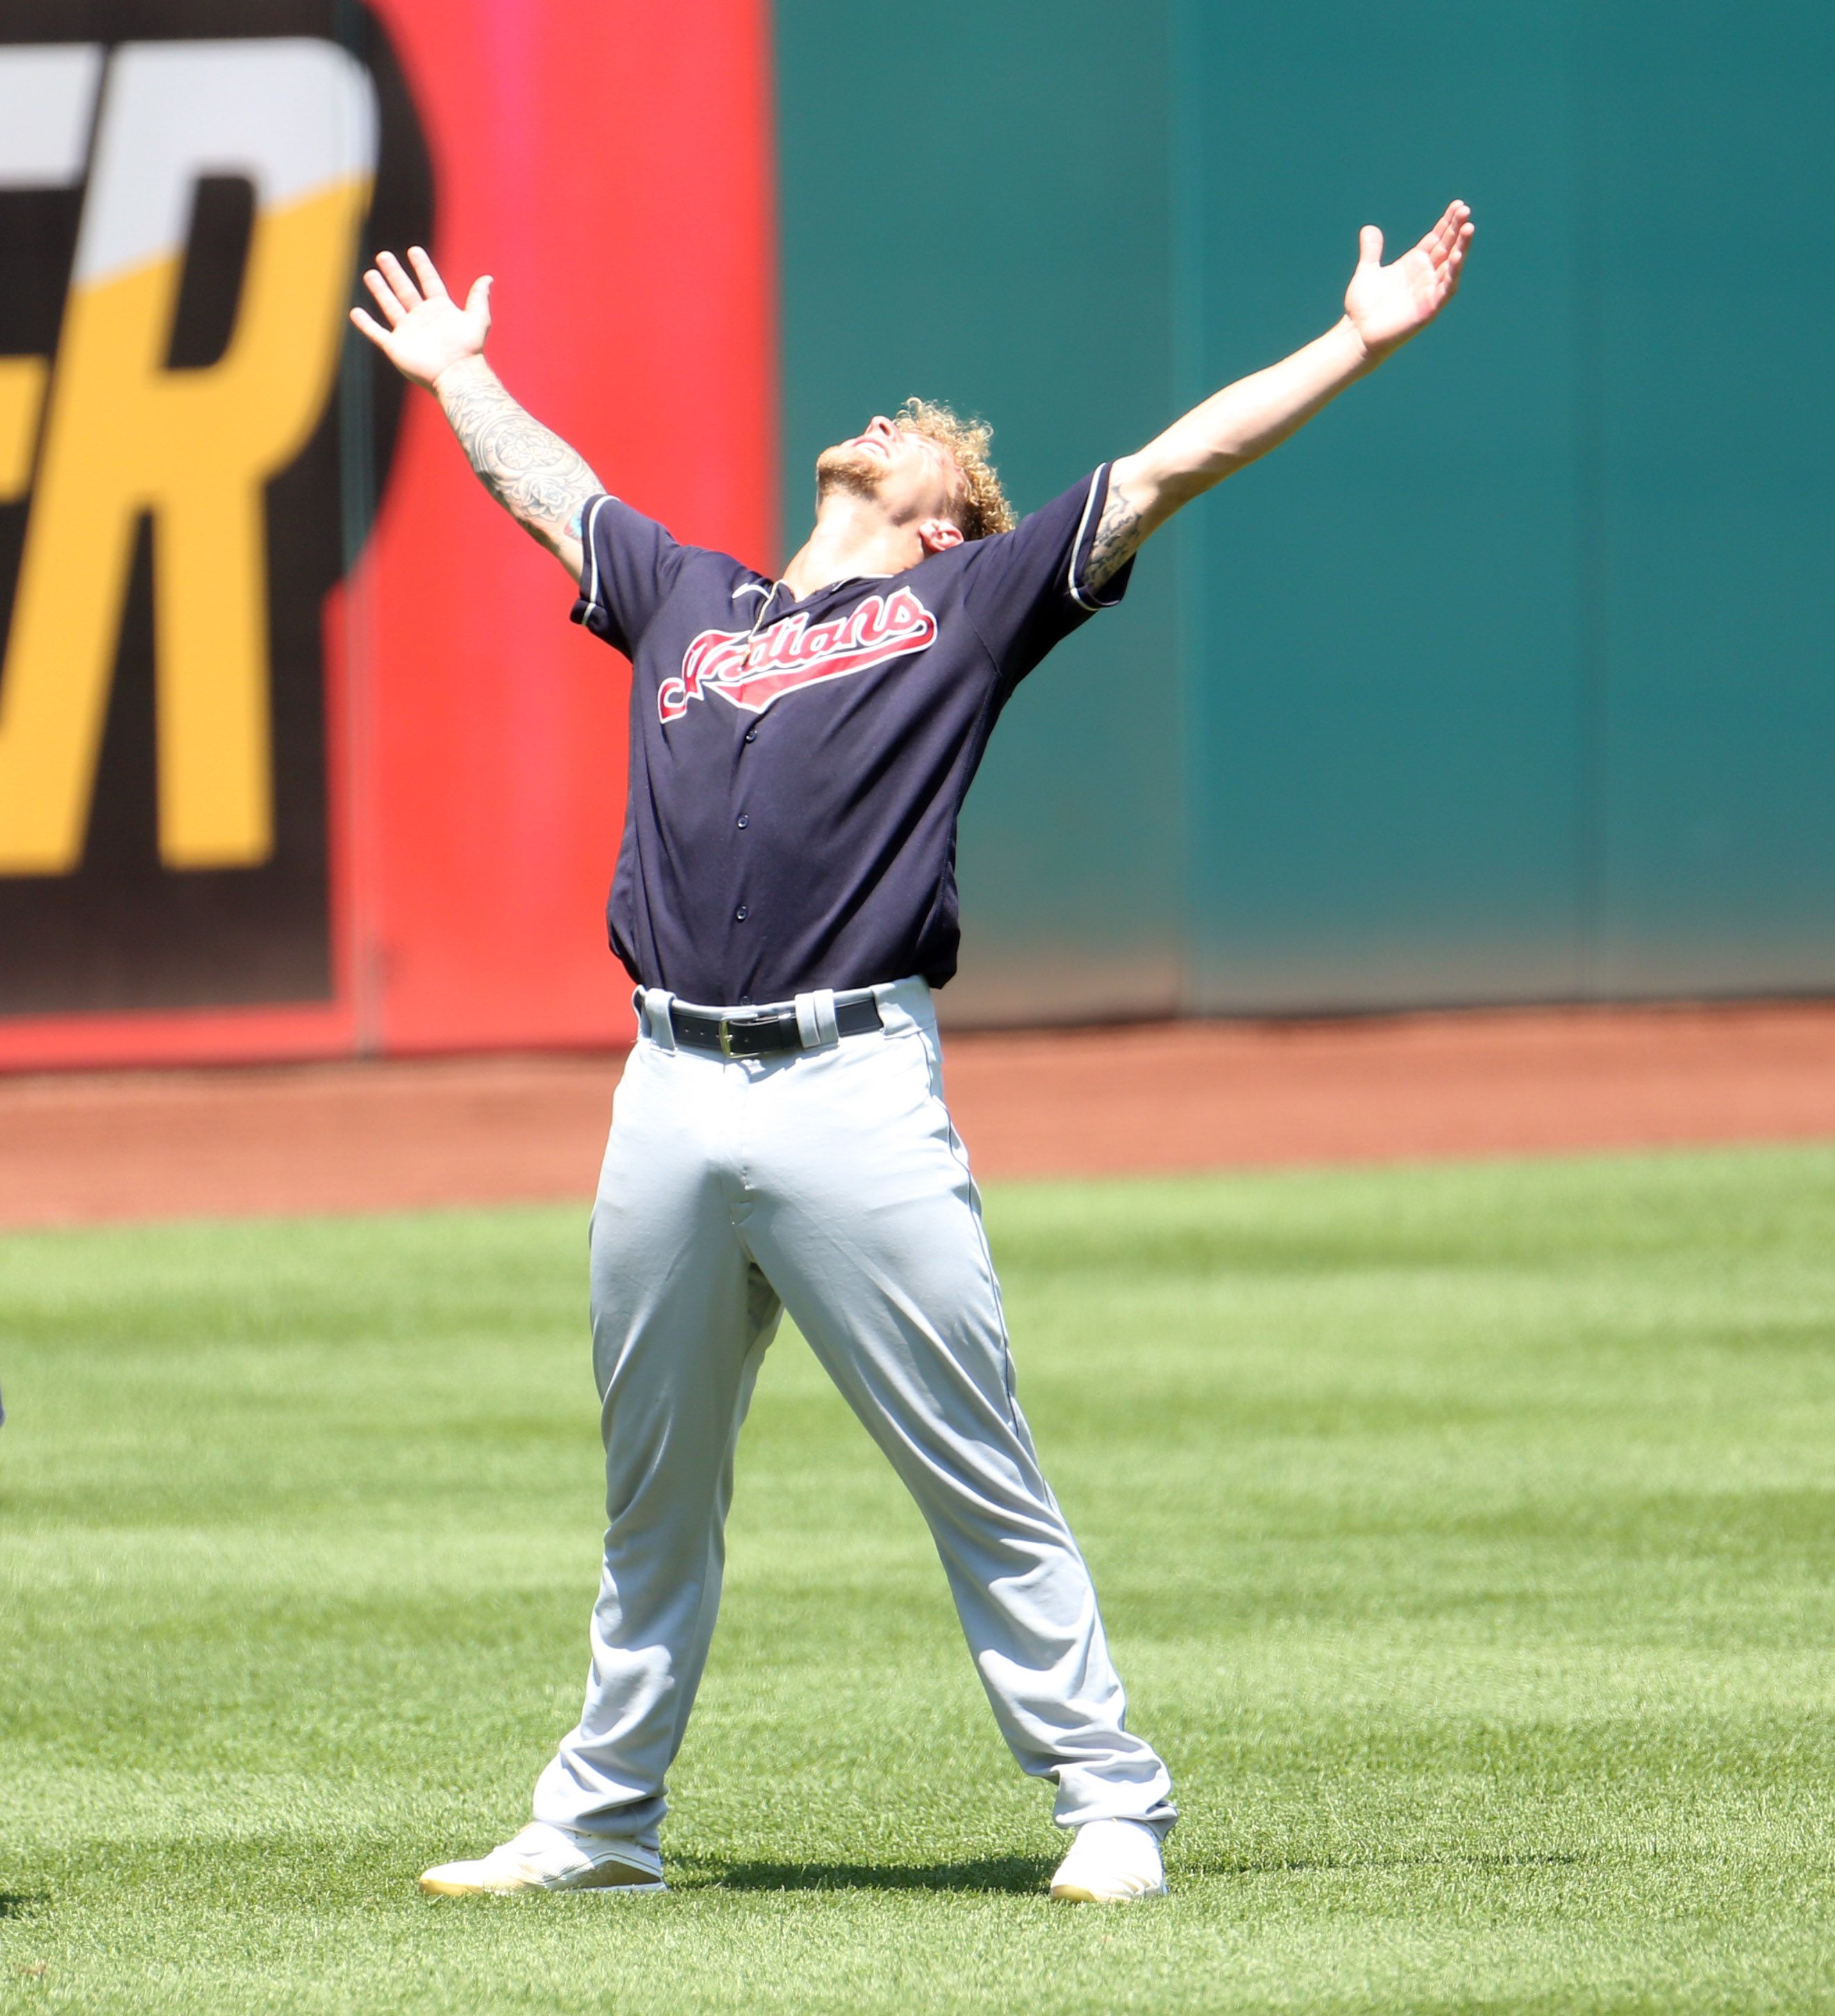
x: 797, y: 768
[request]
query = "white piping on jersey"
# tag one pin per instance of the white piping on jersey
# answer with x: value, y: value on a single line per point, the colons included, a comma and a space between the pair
x: 769, y: 591
x: 770, y: 596
x: 1077, y: 595
x: 592, y: 552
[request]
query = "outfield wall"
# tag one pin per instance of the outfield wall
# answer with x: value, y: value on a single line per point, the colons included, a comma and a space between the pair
x: 1511, y: 680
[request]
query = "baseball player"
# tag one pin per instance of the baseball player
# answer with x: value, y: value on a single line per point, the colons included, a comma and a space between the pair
x: 785, y: 903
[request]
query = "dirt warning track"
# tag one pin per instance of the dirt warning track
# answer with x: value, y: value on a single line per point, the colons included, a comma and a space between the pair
x: 1177, y: 1096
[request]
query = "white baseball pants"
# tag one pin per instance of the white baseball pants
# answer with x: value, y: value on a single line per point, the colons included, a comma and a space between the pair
x: 831, y: 1183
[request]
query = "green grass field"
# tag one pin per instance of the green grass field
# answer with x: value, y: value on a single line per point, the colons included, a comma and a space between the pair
x: 1465, y: 1533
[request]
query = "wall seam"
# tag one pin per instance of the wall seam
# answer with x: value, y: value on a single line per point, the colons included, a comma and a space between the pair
x: 1185, y: 219
x: 1589, y: 528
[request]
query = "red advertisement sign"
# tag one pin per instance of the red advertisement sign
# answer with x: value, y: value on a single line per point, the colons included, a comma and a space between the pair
x: 299, y: 753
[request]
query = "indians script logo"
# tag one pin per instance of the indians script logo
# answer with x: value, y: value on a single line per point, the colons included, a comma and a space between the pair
x: 751, y: 671
x: 189, y: 459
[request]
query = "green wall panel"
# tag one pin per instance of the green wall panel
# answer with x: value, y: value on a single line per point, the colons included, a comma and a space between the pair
x: 1714, y: 213
x: 1386, y: 690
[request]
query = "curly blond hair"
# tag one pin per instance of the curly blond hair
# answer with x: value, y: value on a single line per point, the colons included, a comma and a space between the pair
x: 983, y: 508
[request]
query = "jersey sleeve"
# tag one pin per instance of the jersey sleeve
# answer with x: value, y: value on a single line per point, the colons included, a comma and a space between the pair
x: 1028, y: 589
x: 630, y: 564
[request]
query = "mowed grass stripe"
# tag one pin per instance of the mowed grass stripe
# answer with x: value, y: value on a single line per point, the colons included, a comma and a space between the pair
x: 1464, y: 1532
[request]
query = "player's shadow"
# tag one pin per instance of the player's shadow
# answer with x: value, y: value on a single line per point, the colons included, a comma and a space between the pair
x: 22, y: 1903
x: 1027, y: 1873
x: 1301, y: 1865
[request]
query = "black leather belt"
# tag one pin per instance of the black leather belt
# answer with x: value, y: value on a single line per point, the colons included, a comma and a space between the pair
x: 768, y: 1032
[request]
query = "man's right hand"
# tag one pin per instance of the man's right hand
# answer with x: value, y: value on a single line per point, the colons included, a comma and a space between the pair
x: 426, y: 331
x: 432, y: 341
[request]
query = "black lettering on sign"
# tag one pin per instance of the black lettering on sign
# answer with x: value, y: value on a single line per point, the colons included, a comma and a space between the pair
x: 192, y: 443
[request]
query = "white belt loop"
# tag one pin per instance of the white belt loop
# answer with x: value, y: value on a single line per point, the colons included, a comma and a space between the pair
x: 815, y: 1019
x: 654, y: 1004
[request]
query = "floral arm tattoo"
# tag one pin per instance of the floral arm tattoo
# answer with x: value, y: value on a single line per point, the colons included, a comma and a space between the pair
x: 1119, y: 534
x: 537, y: 478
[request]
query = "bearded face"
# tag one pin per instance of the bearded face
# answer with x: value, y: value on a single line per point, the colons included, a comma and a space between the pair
x: 851, y: 466
x: 908, y: 477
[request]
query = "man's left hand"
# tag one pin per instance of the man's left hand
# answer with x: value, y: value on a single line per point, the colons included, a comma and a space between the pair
x: 1386, y: 304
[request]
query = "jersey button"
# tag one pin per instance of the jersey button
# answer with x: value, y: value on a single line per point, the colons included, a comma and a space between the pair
x: 742, y: 913
x: 744, y: 820
x: 751, y: 735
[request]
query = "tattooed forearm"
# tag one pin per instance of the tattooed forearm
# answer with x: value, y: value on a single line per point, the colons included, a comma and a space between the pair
x: 537, y: 478
x: 1119, y: 534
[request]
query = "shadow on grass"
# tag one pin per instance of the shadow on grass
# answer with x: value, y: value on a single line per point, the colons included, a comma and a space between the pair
x: 1009, y: 1873
x: 22, y: 1903
x: 1308, y: 1865
x: 1028, y: 1875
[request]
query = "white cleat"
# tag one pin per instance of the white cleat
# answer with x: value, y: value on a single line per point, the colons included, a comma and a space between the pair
x: 543, y: 1857
x: 1111, y: 1862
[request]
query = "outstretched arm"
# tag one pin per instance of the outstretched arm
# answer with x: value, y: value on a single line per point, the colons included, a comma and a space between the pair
x: 1383, y: 306
x: 433, y: 342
